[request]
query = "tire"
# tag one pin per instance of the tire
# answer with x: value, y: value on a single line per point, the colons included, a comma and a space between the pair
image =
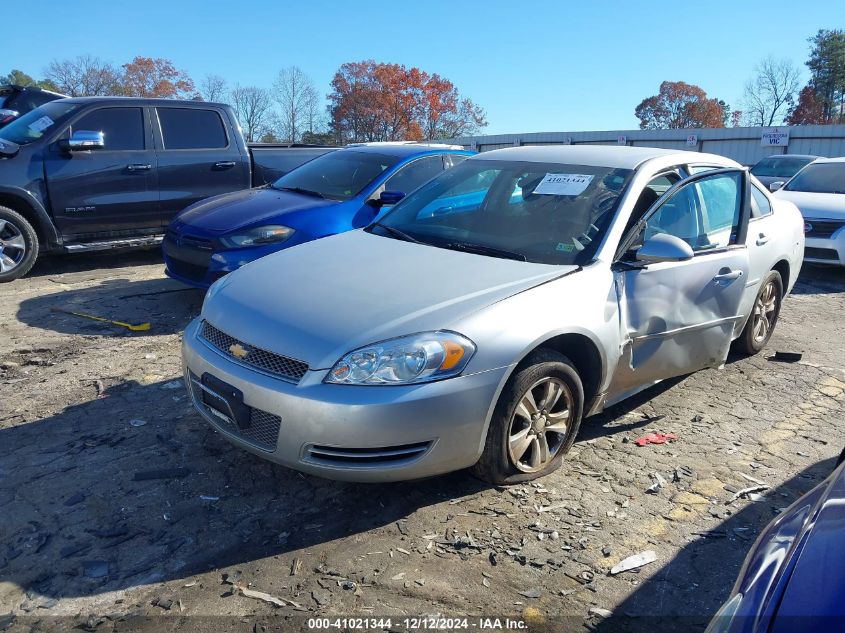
x: 751, y: 341
x: 18, y: 245
x: 513, y: 451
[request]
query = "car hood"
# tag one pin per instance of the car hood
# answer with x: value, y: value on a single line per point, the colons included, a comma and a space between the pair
x: 816, y: 587
x: 816, y: 205
x: 237, y: 209
x: 319, y: 300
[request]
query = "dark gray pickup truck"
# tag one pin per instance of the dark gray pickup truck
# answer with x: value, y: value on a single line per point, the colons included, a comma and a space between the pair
x: 96, y: 173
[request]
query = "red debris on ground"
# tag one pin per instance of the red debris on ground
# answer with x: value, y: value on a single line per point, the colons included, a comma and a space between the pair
x: 656, y: 438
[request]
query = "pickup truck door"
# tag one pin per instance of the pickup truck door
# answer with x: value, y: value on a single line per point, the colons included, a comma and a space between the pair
x: 677, y: 317
x: 197, y: 157
x: 109, y: 191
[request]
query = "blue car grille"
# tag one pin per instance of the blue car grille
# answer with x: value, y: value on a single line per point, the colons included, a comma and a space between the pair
x: 281, y: 366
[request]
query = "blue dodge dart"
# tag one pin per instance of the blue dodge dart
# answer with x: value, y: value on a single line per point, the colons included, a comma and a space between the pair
x: 792, y: 580
x: 331, y: 194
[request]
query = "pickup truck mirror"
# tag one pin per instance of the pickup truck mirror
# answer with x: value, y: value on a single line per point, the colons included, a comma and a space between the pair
x: 387, y: 198
x: 664, y: 248
x: 84, y: 140
x: 777, y: 184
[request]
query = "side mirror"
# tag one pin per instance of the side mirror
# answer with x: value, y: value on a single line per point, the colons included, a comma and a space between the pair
x: 387, y: 198
x: 777, y: 184
x: 84, y: 140
x: 664, y: 248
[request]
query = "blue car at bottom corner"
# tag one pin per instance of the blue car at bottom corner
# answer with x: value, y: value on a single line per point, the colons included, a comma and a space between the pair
x: 336, y: 192
x: 793, y: 579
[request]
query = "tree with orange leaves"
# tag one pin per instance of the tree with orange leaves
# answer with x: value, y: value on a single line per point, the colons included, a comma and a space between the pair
x: 679, y: 105
x: 373, y: 101
x: 158, y: 78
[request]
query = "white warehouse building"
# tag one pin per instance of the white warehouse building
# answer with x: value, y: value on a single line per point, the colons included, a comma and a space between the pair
x: 745, y: 145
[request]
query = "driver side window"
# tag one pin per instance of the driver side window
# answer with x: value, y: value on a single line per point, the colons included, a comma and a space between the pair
x: 705, y: 214
x: 415, y: 174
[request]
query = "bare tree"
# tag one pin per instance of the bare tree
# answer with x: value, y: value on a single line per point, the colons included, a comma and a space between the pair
x: 213, y: 88
x: 296, y: 95
x: 314, y: 118
x: 84, y: 76
x: 253, y: 108
x: 771, y: 92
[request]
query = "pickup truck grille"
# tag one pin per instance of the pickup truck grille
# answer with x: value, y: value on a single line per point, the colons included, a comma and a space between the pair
x: 277, y: 365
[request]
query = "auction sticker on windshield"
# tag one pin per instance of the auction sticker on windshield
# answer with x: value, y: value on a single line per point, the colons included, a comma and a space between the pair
x: 563, y: 184
x: 39, y: 125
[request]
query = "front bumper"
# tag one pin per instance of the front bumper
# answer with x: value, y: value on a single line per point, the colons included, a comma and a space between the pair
x: 825, y: 247
x: 354, y: 433
x: 199, y: 261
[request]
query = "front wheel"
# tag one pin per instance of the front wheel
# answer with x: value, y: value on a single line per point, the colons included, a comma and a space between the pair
x: 758, y: 330
x: 18, y: 245
x: 535, y: 421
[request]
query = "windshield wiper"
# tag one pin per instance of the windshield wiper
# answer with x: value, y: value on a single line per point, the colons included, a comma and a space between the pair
x: 397, y: 233
x: 480, y: 249
x: 305, y: 192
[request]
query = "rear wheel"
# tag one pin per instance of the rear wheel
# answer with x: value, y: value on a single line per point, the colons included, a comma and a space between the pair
x: 758, y: 330
x: 18, y: 245
x: 535, y: 421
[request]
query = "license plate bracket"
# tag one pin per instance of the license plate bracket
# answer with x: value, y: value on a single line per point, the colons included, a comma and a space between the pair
x: 226, y: 399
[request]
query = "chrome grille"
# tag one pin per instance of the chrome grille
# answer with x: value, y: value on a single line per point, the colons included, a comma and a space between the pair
x: 275, y: 364
x: 823, y: 228
x: 263, y: 430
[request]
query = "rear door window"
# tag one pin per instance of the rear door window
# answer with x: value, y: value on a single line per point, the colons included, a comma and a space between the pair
x: 122, y: 128
x: 189, y: 128
x: 415, y: 174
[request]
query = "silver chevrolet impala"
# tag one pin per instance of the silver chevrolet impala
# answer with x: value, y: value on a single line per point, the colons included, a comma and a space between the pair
x: 480, y: 319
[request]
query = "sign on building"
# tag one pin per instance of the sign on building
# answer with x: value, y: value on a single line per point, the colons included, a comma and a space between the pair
x: 775, y: 138
x: 692, y: 140
x: 621, y: 140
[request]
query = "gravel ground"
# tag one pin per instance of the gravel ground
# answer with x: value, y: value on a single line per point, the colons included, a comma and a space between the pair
x: 122, y: 510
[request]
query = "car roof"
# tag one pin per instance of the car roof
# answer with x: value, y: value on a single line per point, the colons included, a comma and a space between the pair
x: 836, y: 159
x: 624, y: 157
x: 779, y: 156
x: 402, y: 150
x: 143, y: 101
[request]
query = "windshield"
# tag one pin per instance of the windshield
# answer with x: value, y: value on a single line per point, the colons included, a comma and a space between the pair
x: 337, y: 175
x: 783, y: 167
x: 820, y: 178
x: 36, y: 123
x: 546, y: 213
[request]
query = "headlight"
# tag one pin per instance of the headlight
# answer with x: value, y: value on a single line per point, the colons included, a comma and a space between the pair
x: 257, y: 236
x: 406, y: 360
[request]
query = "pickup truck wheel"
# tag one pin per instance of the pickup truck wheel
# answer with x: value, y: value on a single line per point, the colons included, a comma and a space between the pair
x: 535, y: 421
x: 764, y: 315
x: 18, y: 245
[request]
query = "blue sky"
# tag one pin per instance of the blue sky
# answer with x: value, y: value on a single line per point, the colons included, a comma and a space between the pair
x: 533, y: 65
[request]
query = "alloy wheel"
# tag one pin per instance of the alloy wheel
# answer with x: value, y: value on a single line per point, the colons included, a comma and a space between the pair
x: 765, y: 310
x: 540, y: 424
x: 12, y: 246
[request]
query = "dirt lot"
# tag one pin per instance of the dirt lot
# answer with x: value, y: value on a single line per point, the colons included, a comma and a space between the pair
x: 118, y: 501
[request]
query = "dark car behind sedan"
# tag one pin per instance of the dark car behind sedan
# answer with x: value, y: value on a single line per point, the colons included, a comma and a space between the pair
x: 18, y: 100
x: 780, y: 167
x: 793, y: 579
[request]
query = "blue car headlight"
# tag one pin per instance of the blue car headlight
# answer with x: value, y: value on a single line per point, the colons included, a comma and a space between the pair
x: 258, y: 236
x: 406, y: 360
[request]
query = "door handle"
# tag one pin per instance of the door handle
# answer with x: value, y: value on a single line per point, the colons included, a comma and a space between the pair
x: 224, y: 164
x: 728, y: 275
x: 138, y: 167
x: 762, y: 239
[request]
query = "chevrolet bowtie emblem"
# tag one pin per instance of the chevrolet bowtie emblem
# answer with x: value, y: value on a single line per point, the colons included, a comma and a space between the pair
x: 238, y: 351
